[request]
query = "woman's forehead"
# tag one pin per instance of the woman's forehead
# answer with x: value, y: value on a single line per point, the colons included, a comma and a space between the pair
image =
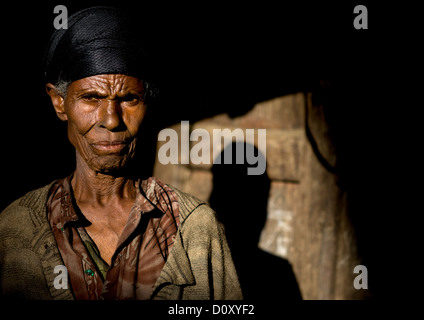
x: 108, y: 83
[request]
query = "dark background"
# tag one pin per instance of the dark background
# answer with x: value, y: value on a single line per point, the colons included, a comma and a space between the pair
x: 210, y: 58
x: 218, y: 57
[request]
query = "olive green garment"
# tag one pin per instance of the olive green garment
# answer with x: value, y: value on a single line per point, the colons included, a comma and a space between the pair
x: 199, y: 266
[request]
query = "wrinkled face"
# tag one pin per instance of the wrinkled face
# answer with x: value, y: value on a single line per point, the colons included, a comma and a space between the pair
x: 104, y: 115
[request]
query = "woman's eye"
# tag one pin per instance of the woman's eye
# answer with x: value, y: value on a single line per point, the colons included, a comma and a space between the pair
x: 91, y: 97
x: 131, y: 99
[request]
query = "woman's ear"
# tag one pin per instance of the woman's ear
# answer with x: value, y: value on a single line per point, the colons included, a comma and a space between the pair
x: 58, y: 101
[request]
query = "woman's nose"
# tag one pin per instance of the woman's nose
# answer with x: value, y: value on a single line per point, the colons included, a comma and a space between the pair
x: 111, y: 115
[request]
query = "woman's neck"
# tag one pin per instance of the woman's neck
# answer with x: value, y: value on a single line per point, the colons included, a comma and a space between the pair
x: 90, y: 186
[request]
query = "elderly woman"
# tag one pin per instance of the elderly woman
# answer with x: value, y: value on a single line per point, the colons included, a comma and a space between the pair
x: 117, y: 236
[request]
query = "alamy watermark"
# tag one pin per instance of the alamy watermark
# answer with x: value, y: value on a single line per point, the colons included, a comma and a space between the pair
x: 61, y: 281
x: 361, y: 280
x: 173, y: 152
x: 61, y: 20
x: 361, y: 20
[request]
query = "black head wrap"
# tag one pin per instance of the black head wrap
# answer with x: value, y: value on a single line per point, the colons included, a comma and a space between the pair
x: 99, y: 40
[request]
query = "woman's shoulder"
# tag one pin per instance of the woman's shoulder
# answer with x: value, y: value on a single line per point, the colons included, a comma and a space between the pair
x: 190, y: 204
x: 27, y: 209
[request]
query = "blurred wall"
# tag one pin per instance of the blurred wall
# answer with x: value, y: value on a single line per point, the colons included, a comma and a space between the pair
x: 307, y: 214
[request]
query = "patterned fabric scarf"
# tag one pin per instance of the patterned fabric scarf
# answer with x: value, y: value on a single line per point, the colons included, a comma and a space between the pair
x: 142, y: 249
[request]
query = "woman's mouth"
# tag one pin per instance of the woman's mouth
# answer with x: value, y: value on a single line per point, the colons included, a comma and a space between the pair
x: 109, y: 146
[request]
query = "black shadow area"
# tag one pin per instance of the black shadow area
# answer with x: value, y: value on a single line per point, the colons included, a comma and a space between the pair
x: 240, y: 201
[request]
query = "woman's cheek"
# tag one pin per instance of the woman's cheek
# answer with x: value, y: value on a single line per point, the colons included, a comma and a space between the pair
x: 77, y: 132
